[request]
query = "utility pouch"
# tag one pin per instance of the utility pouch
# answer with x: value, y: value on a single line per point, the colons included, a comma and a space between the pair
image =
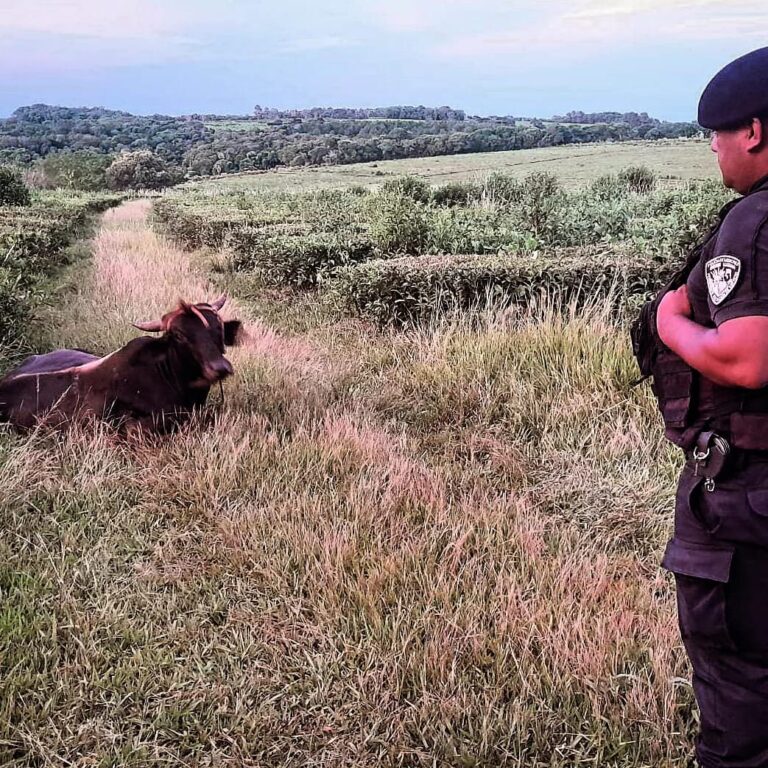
x: 673, y: 386
x: 673, y: 379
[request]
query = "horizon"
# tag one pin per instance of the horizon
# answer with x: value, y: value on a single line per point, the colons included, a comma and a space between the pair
x: 482, y: 56
x: 250, y: 114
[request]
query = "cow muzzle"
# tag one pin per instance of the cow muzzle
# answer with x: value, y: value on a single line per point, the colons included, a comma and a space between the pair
x: 218, y: 370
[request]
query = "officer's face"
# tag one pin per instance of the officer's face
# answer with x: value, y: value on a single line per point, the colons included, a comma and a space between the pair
x: 727, y: 146
x: 736, y: 156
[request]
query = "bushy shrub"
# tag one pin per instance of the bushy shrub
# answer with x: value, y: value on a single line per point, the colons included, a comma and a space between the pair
x: 15, y: 295
x: 197, y: 229
x: 456, y: 193
x: 86, y: 171
x: 301, y: 239
x: 13, y: 191
x: 502, y: 189
x: 398, y: 224
x: 410, y: 290
x: 607, y: 187
x: 540, y: 186
x: 539, y: 199
x: 638, y: 178
x: 476, y: 230
x: 298, y: 261
x: 141, y: 170
x: 408, y: 186
x: 673, y: 222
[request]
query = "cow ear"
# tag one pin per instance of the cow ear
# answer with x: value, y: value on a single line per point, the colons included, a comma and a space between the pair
x: 231, y: 332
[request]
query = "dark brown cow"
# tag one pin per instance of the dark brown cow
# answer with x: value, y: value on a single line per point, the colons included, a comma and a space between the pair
x: 153, y: 382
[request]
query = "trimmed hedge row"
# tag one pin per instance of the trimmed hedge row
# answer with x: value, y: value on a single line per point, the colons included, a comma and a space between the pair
x: 300, y: 261
x: 383, y: 251
x: 414, y: 289
x: 197, y: 221
x: 32, y: 242
x: 192, y: 228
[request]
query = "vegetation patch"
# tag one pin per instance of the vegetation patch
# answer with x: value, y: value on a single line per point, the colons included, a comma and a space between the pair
x: 437, y: 547
x: 33, y: 239
x: 407, y: 251
x: 414, y: 289
x: 298, y: 261
x: 13, y: 191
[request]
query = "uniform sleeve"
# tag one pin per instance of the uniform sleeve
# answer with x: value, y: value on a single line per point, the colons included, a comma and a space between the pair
x: 736, y: 271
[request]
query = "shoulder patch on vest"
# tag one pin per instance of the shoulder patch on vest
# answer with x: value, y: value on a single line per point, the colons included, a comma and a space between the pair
x: 722, y: 275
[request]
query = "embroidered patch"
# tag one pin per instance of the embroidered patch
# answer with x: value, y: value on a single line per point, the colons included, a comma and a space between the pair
x: 722, y: 275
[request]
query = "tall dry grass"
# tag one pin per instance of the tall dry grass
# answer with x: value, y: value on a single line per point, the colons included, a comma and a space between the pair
x: 435, y: 549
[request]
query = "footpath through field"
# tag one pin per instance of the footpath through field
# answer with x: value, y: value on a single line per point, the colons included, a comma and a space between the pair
x: 393, y: 556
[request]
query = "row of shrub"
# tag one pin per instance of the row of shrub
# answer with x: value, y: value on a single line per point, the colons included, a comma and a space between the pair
x: 389, y: 253
x: 410, y: 289
x: 33, y: 240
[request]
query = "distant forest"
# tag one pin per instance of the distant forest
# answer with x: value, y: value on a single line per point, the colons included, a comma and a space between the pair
x: 204, y: 145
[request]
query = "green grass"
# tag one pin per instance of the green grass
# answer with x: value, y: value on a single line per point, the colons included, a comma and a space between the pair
x: 573, y: 164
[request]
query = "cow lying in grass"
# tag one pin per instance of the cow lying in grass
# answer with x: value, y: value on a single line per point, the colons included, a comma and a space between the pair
x: 151, y: 382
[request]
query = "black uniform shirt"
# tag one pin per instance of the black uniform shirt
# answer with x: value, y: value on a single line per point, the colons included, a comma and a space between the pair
x: 731, y: 279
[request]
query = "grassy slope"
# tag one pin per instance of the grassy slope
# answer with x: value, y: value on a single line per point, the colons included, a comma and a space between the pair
x: 436, y: 549
x: 573, y: 164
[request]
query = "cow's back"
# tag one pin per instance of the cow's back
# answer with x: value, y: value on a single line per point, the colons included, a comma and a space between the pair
x: 57, y: 360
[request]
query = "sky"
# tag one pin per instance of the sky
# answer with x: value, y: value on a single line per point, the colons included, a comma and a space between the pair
x: 532, y: 58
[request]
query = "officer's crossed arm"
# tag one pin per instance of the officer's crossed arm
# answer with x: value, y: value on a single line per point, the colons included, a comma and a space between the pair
x: 735, y: 354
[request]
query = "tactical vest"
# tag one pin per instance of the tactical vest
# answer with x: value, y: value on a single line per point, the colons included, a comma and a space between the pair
x: 690, y: 403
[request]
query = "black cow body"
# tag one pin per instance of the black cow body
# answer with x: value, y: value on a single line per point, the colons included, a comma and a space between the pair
x: 152, y: 382
x: 55, y: 361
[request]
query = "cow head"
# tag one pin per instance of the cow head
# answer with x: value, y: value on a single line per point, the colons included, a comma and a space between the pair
x: 202, y: 335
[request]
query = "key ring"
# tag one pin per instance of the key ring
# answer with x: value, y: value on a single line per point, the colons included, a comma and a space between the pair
x: 698, y: 456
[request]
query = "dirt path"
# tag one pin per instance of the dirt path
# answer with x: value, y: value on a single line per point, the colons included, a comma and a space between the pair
x: 138, y: 274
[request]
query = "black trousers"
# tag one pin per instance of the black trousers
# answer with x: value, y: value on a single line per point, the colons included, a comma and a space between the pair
x: 719, y: 555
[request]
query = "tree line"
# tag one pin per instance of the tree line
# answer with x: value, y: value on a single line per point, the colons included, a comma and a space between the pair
x: 75, y: 143
x: 351, y: 113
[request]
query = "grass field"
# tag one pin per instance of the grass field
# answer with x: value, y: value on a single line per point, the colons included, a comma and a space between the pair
x: 573, y: 164
x: 431, y: 547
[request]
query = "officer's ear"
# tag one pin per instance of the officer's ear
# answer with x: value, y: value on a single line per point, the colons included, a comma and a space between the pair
x: 757, y: 135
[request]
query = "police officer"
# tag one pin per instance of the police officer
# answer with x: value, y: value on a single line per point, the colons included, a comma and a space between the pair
x: 705, y: 342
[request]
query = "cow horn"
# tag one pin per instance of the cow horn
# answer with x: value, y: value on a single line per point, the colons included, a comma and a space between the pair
x: 220, y: 302
x: 154, y: 327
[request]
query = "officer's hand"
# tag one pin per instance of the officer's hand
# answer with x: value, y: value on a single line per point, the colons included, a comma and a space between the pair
x: 674, y: 303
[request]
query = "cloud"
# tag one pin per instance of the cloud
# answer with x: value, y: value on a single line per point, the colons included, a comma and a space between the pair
x: 591, y: 28
x: 403, y: 17
x: 318, y: 44
x: 59, y: 36
x: 113, y: 20
x: 593, y: 9
x: 424, y: 15
x: 722, y: 28
x: 30, y: 55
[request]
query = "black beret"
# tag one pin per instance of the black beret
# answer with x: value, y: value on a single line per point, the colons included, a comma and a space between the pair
x: 737, y: 93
